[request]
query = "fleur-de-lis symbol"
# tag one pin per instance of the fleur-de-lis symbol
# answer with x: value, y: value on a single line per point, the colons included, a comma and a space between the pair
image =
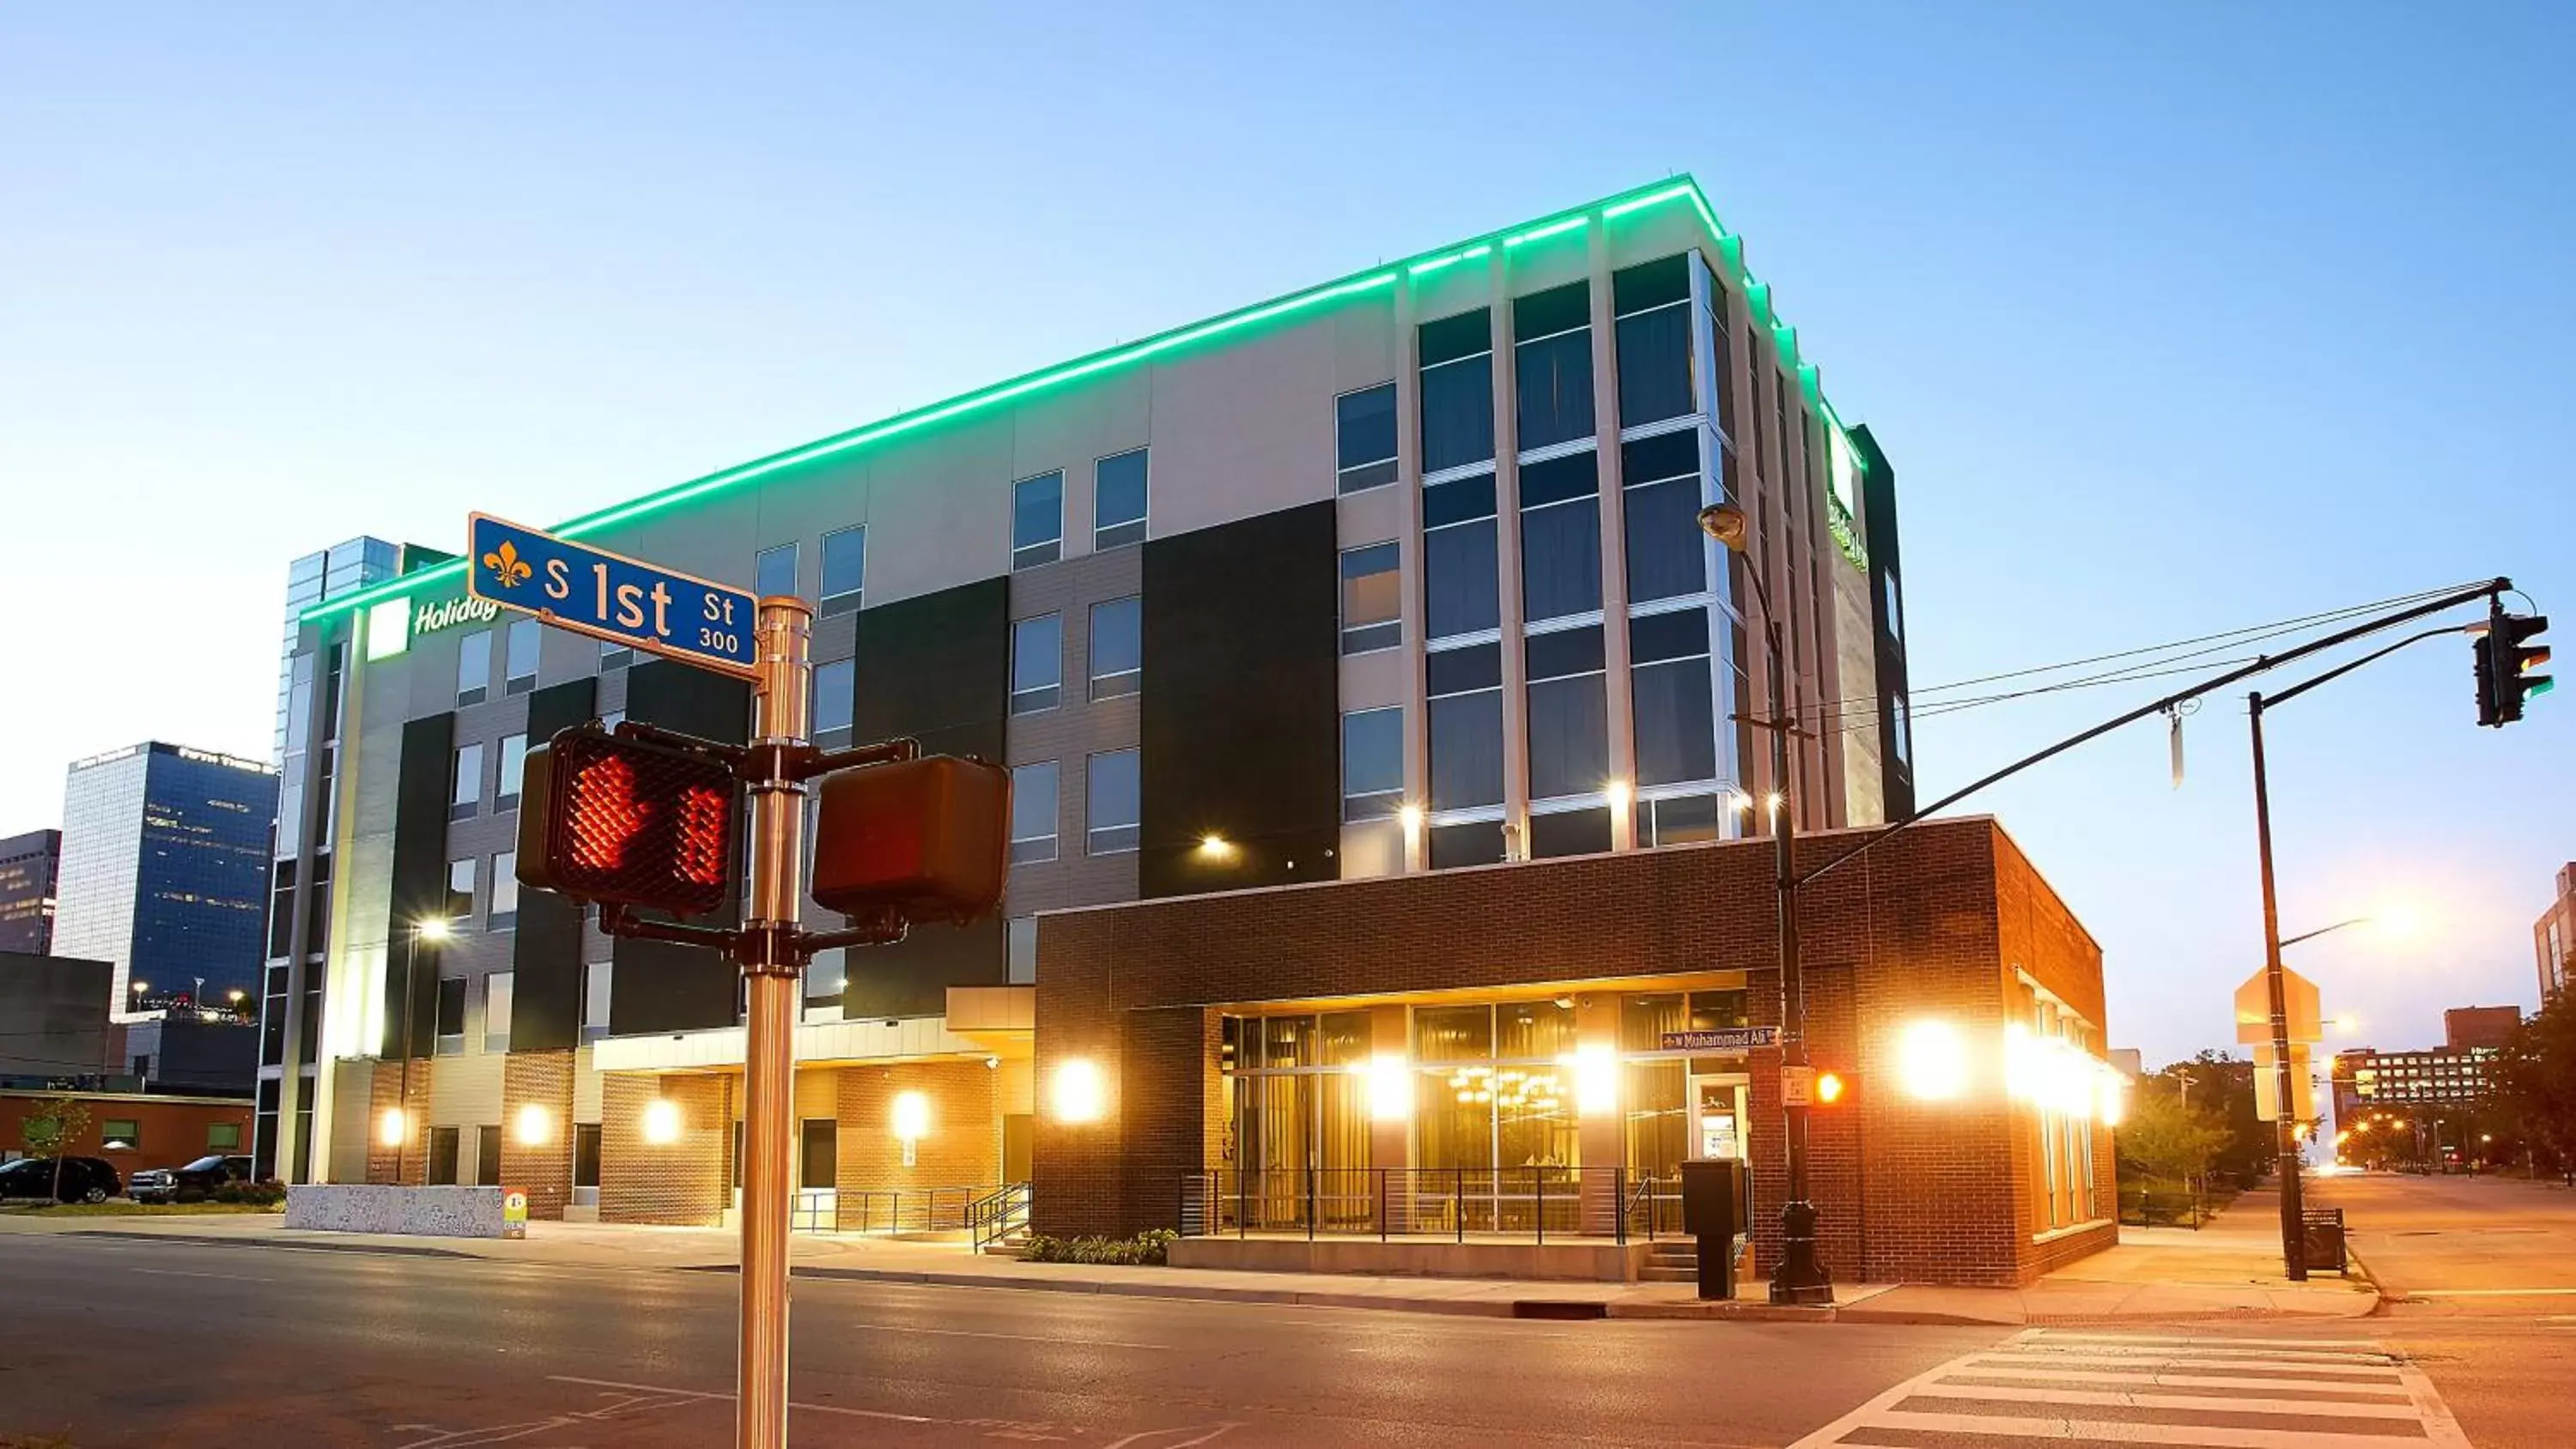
x: 508, y: 569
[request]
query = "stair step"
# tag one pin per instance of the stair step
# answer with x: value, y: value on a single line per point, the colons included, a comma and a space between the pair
x: 1664, y: 1273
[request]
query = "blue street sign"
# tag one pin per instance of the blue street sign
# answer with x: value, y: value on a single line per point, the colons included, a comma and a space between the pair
x: 574, y: 586
x: 1724, y: 1039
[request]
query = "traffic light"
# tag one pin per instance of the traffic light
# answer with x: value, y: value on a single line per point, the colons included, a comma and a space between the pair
x: 928, y: 838
x: 2505, y: 664
x: 623, y: 822
x: 1829, y: 1088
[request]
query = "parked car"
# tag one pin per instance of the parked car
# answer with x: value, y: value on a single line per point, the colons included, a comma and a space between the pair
x: 84, y: 1179
x: 203, y: 1176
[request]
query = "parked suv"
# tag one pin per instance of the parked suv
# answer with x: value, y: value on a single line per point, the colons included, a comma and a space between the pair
x: 84, y: 1179
x: 198, y: 1178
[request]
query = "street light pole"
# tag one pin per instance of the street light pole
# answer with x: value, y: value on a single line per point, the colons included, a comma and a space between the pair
x: 2285, y: 1131
x: 1799, y: 1277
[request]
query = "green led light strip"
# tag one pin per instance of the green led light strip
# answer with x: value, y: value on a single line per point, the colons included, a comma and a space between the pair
x: 1357, y: 284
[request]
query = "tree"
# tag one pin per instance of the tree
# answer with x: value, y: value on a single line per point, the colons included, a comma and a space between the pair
x: 2167, y: 1143
x: 51, y: 1126
x: 2535, y: 1079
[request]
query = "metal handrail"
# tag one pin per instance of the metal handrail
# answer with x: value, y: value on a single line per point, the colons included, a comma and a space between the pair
x: 940, y: 1209
x: 998, y: 1214
x: 1528, y: 1203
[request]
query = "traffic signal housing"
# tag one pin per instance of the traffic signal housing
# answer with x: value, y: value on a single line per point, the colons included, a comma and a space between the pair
x: 927, y: 838
x: 625, y: 822
x: 2506, y: 661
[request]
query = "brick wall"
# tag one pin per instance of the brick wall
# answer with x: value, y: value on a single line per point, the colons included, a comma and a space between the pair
x: 408, y: 1163
x: 169, y: 1131
x: 963, y: 1148
x: 682, y: 1182
x: 543, y: 1169
x: 1930, y: 923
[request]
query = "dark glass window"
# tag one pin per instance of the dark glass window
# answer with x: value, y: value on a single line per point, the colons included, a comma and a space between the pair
x: 1117, y: 647
x: 1569, y: 725
x: 1569, y: 832
x: 1037, y: 520
x: 818, y: 1153
x: 1372, y: 598
x: 1365, y: 437
x: 1650, y: 284
x: 1560, y: 537
x: 451, y: 1006
x: 473, y: 667
x: 1033, y: 812
x: 487, y: 1155
x: 1667, y: 554
x: 835, y: 696
x: 442, y: 1157
x: 1037, y: 663
x: 1461, y: 583
x: 1675, y: 713
x: 845, y: 570
x: 1115, y: 804
x: 465, y: 786
x: 1680, y: 820
x: 514, y: 770
x: 773, y: 571
x: 1552, y: 363
x: 524, y: 636
x: 1466, y: 727
x: 1372, y: 763
x: 460, y: 889
x: 1654, y: 366
x: 1457, y: 391
x: 1476, y: 843
x: 1118, y: 500
x: 585, y: 1155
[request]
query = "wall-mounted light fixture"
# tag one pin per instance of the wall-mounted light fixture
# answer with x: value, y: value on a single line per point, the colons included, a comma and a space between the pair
x: 661, y: 1122
x: 911, y: 1122
x: 1078, y: 1094
x: 534, y: 1124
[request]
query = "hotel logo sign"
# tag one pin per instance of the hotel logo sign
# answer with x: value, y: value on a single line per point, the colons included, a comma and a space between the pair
x: 429, y: 618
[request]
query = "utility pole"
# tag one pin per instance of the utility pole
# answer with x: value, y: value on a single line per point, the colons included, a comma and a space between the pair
x: 2285, y: 1129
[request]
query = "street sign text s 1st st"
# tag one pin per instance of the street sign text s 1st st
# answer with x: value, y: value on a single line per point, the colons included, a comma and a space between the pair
x: 609, y: 596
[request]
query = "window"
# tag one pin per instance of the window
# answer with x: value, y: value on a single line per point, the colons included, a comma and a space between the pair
x: 442, y: 1157
x: 451, y: 1015
x: 1037, y: 520
x: 1569, y: 832
x: 465, y: 786
x: 1901, y: 729
x: 473, y: 667
x: 1652, y: 302
x: 1037, y: 663
x: 1569, y: 727
x: 487, y: 1155
x: 1476, y: 842
x: 1466, y: 696
x: 1033, y: 805
x: 505, y: 891
x: 1372, y: 598
x: 773, y: 571
x: 120, y: 1134
x: 1680, y: 820
x: 1118, y: 500
x: 585, y: 1155
x: 497, y: 989
x: 1020, y: 948
x: 525, y: 636
x: 614, y: 656
x: 835, y: 699
x: 818, y: 1141
x: 1660, y: 503
x: 514, y: 770
x: 1364, y: 425
x: 1669, y: 687
x: 1890, y: 610
x: 1461, y: 583
x: 1117, y: 647
x: 1552, y: 364
x: 1372, y: 763
x: 845, y: 570
x: 1561, y: 537
x: 223, y: 1137
x: 460, y: 889
x: 1457, y: 355
x: 594, y: 998
x: 1115, y: 807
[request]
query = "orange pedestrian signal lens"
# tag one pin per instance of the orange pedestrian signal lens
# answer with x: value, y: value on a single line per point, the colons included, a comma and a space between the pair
x: 624, y: 822
x: 1829, y: 1088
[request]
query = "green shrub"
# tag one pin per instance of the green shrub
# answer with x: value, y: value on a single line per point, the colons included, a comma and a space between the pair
x: 1148, y: 1248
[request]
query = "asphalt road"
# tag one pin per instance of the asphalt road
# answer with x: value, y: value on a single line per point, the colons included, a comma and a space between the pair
x: 2461, y: 1245
x: 107, y: 1341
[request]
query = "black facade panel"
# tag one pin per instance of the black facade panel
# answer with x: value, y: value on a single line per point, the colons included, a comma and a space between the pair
x: 658, y: 986
x: 1887, y: 587
x: 545, y: 1010
x: 419, y: 885
x: 1240, y: 719
x: 935, y: 668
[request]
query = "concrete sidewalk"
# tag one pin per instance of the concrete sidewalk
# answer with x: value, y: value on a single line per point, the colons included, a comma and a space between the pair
x: 2226, y: 1271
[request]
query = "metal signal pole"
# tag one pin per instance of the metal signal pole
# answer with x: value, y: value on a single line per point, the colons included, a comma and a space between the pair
x: 2285, y: 1119
x: 772, y: 967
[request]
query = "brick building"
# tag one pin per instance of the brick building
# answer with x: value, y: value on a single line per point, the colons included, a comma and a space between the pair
x: 136, y: 1130
x: 1570, y: 1020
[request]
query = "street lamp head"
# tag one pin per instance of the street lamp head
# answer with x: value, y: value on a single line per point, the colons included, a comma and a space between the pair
x: 138, y: 987
x: 433, y: 930
x: 1726, y: 523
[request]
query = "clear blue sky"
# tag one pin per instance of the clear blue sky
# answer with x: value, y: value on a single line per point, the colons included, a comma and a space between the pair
x: 2203, y: 316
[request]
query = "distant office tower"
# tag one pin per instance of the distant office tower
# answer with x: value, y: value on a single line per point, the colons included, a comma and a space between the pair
x: 165, y: 871
x: 2553, y: 936
x: 28, y: 864
x: 2464, y: 1027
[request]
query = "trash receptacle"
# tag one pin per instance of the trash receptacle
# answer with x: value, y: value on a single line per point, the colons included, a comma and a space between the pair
x: 1713, y: 1211
x: 2321, y: 1235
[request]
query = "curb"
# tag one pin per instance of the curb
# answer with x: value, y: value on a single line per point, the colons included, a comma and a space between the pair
x: 1206, y: 1292
x: 396, y: 1250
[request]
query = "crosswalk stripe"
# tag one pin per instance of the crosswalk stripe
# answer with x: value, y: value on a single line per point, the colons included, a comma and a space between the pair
x: 2115, y: 1431
x: 2379, y: 1391
x: 2044, y: 1384
x: 2097, y: 1398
